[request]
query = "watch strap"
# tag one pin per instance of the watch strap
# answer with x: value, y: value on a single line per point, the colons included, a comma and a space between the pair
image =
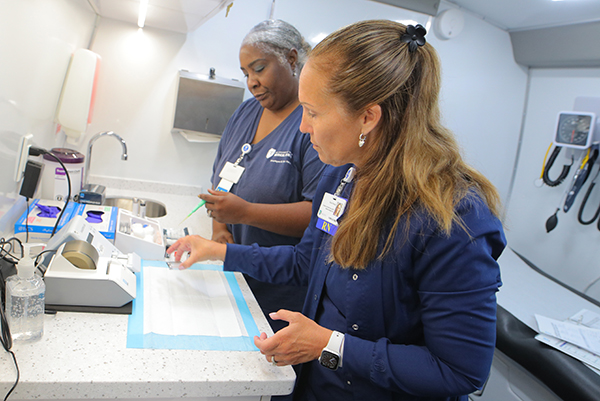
x: 336, y: 345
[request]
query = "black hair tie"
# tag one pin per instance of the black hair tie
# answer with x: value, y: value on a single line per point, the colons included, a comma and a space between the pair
x: 414, y: 36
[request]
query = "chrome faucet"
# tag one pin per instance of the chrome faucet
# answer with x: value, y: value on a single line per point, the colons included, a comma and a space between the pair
x: 89, y: 152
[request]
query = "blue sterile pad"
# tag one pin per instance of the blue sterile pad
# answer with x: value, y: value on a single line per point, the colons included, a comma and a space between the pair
x: 200, y: 308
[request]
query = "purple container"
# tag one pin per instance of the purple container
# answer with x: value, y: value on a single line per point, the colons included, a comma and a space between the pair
x: 54, y: 180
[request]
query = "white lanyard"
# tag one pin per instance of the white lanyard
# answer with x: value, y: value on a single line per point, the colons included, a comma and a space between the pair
x: 232, y: 172
x: 347, y: 179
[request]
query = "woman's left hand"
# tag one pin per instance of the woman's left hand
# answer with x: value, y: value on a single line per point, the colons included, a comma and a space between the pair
x: 225, y: 207
x: 302, y: 341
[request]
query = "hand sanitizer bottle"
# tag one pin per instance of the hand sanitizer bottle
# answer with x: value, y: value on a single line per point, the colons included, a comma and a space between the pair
x: 25, y: 299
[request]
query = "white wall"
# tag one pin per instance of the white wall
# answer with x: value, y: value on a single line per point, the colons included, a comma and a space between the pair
x: 37, y: 38
x: 482, y: 97
x: 570, y: 252
x: 483, y: 91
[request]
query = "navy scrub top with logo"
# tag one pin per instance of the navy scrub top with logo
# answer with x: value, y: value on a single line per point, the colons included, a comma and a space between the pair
x: 282, y: 168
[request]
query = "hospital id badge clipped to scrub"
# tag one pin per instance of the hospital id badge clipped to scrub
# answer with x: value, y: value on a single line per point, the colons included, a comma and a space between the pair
x: 232, y: 172
x: 230, y: 175
x: 331, y: 209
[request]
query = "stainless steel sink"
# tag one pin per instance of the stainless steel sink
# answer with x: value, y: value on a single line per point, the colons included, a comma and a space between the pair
x: 153, y: 208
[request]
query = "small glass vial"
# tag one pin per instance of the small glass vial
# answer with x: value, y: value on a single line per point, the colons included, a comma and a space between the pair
x: 25, y: 301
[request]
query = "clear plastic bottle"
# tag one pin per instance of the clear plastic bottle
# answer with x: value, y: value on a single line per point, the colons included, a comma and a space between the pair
x: 25, y: 301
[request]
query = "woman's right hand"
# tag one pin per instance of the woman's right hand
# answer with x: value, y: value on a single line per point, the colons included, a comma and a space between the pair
x: 199, y: 249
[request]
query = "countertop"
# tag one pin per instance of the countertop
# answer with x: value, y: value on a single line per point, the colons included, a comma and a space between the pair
x: 84, y: 355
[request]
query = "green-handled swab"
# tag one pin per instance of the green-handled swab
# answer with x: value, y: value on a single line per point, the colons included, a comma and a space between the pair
x: 202, y: 202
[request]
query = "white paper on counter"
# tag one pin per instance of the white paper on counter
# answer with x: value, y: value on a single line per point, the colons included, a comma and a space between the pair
x: 189, y: 302
x: 582, y: 336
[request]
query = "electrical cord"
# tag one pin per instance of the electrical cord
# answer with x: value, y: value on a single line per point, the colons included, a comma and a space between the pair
x: 37, y: 263
x: 4, y: 253
x: 5, y: 336
x: 588, y: 193
x: 27, y: 221
x: 564, y: 173
x: 33, y: 151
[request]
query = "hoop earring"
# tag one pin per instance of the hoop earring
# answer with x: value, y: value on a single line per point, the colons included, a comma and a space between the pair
x: 361, y: 140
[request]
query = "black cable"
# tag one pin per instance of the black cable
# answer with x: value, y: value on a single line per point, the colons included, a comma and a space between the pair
x: 38, y: 264
x: 4, y: 253
x: 27, y: 221
x: 18, y: 376
x: 38, y: 151
x: 583, y: 202
x: 591, y: 162
x: 5, y: 336
x: 564, y: 173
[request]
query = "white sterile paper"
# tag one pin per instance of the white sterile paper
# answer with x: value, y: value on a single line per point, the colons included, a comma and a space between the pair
x: 579, y: 335
x: 189, y: 302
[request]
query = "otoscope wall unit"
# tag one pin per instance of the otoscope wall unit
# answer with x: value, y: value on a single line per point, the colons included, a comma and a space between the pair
x: 577, y: 131
x: 579, y: 128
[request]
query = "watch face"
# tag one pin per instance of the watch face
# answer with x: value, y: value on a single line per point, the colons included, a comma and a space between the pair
x: 329, y: 360
x: 573, y: 129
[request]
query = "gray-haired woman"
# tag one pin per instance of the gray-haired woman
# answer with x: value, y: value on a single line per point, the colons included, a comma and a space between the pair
x: 267, y: 199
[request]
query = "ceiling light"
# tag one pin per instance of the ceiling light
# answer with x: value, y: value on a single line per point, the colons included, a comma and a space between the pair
x: 142, y: 15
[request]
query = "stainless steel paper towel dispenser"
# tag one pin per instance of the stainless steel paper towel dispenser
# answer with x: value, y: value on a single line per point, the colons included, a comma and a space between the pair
x: 204, y: 104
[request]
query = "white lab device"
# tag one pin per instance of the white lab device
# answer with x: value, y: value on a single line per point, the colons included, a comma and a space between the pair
x: 74, y: 278
x: 88, y: 270
x: 141, y: 235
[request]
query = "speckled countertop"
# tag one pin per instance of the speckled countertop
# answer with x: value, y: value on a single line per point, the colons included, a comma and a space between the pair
x: 84, y: 355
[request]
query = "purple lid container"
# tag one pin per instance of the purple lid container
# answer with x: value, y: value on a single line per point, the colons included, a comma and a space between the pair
x: 67, y: 156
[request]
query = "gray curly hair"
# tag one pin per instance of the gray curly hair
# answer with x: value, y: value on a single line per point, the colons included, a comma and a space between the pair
x: 278, y: 37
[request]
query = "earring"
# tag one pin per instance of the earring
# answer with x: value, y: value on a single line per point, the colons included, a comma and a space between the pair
x: 361, y: 139
x: 294, y: 73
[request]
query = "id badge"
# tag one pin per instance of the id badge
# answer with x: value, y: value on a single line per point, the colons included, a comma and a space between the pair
x: 232, y: 172
x: 331, y: 209
x: 224, y: 185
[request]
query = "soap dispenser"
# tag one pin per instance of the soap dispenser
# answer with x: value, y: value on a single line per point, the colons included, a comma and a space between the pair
x: 25, y: 299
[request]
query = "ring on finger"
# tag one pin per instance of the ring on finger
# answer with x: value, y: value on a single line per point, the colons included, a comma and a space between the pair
x: 273, y: 361
x: 209, y: 213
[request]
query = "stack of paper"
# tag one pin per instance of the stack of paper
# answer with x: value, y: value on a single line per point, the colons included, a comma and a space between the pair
x: 579, y: 336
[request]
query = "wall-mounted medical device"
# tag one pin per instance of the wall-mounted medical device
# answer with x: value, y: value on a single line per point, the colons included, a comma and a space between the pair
x: 87, y: 269
x: 575, y: 129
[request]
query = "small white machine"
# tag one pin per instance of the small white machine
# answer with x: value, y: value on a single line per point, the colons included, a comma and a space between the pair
x: 87, y: 270
x: 141, y: 235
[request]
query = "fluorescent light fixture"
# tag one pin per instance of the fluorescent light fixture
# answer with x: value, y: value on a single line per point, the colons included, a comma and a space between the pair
x: 407, y: 22
x: 317, y: 38
x: 143, y: 11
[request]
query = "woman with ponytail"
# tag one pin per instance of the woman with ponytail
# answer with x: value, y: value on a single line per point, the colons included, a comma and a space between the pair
x: 401, y: 300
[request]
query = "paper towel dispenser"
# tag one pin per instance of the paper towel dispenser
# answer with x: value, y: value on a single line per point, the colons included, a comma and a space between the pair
x: 204, y: 104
